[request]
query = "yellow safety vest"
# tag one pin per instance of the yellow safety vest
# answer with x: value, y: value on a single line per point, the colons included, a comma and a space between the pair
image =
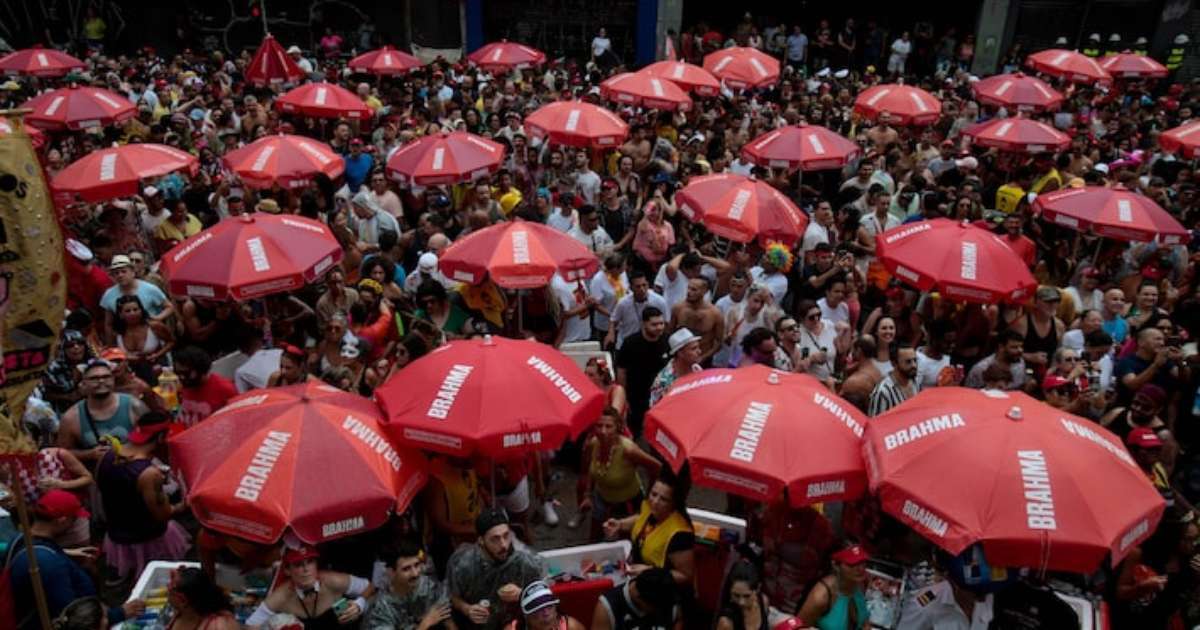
x: 1175, y: 57
x: 1091, y: 52
x: 653, y: 546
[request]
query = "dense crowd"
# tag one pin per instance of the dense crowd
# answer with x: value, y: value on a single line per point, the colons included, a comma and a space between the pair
x: 1110, y: 334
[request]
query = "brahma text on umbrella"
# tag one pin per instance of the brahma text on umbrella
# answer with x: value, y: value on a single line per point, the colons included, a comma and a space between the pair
x: 444, y: 399
x: 373, y: 440
x: 832, y: 407
x: 925, y: 518
x: 924, y: 428
x: 259, y: 470
x: 559, y: 381
x: 748, y: 435
x: 1039, y: 502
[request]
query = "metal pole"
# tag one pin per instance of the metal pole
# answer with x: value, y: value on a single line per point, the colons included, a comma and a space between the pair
x: 262, y: 11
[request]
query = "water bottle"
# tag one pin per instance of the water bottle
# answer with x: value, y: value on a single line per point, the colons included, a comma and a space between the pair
x: 168, y: 389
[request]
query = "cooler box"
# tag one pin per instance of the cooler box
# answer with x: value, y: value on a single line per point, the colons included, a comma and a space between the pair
x: 601, y: 566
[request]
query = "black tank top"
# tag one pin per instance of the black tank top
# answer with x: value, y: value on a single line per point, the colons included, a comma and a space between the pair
x: 129, y: 520
x: 1038, y: 343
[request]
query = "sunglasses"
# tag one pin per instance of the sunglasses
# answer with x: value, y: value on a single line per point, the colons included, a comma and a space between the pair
x: 812, y: 317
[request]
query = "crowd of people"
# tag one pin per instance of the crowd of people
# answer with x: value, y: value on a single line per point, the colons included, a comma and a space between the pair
x: 1110, y: 335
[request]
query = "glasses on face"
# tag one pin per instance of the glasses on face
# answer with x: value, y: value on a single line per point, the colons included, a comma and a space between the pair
x: 812, y: 317
x: 98, y: 378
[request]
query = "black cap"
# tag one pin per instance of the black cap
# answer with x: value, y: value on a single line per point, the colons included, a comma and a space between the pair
x: 1098, y: 338
x: 488, y: 519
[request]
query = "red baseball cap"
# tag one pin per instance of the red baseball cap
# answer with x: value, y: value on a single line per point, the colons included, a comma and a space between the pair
x: 145, y: 432
x: 1143, y: 437
x: 853, y: 554
x: 60, y: 504
x: 1053, y: 381
x: 295, y: 555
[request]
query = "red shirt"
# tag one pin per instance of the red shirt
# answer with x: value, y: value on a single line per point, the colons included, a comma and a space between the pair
x: 1023, y: 247
x: 198, y: 403
x: 85, y: 286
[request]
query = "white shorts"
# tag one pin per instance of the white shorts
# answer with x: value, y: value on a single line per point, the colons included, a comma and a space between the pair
x: 516, y: 501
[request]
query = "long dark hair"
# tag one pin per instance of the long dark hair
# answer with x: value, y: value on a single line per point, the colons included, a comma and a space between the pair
x: 742, y: 571
x: 82, y: 614
x: 118, y: 322
x: 201, y: 592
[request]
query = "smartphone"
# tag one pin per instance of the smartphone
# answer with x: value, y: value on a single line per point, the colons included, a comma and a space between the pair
x: 804, y: 353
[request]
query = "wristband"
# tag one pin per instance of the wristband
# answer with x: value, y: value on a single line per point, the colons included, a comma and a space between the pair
x: 362, y: 604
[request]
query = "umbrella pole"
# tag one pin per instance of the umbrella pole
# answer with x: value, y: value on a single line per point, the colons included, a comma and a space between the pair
x: 35, y: 574
x: 1096, y: 255
x: 492, y: 481
x: 262, y: 10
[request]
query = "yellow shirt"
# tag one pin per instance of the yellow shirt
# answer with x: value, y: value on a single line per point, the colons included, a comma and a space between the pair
x: 653, y: 545
x: 1008, y: 197
x: 94, y: 29
x: 373, y: 102
x: 168, y: 231
x: 1041, y: 182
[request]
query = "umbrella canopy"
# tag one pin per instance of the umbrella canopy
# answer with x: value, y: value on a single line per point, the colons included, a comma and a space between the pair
x: 78, y: 108
x: 741, y: 208
x: 284, y: 160
x: 490, y: 396
x: 271, y: 64
x: 804, y: 147
x: 445, y: 158
x: 1018, y: 135
x: 1116, y: 212
x: 690, y: 77
x: 756, y: 432
x: 1069, y: 65
x: 39, y: 62
x: 517, y: 255
x: 1037, y: 487
x: 505, y: 56
x: 1184, y: 140
x: 646, y: 90
x: 1017, y: 91
x: 118, y: 171
x: 907, y: 105
x: 962, y: 261
x: 743, y: 68
x: 263, y: 464
x: 577, y: 124
x: 323, y: 100
x: 251, y: 256
x: 36, y: 136
x: 1130, y: 66
x: 385, y: 61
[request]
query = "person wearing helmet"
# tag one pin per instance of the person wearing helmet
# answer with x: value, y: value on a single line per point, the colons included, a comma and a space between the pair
x: 1114, y: 45
x: 1093, y: 46
x: 1141, y: 46
x: 1176, y: 52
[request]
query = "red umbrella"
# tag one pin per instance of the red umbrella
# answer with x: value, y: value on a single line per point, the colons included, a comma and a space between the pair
x: 445, y: 158
x: 804, y: 147
x: 251, y: 256
x: 504, y: 56
x: 645, y: 90
x: 490, y: 396
x: 36, y: 136
x: 741, y: 208
x: 743, y: 68
x: 1115, y: 212
x: 907, y: 105
x: 1018, y: 135
x: 385, y: 61
x: 284, y: 160
x: 577, y: 124
x: 1019, y: 91
x: 1038, y: 487
x: 118, y: 172
x: 517, y: 255
x: 271, y: 64
x: 962, y: 261
x: 310, y: 457
x: 78, y: 108
x: 323, y: 100
x: 756, y: 432
x: 690, y: 77
x: 1184, y: 140
x: 1069, y: 65
x: 1130, y: 66
x: 39, y: 62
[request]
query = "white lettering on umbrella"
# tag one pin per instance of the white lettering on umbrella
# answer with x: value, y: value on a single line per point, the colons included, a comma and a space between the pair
x: 319, y: 97
x: 451, y: 384
x: 725, y: 61
x: 736, y: 480
x: 194, y: 290
x: 923, y: 517
x: 1035, y: 148
x: 828, y: 404
x: 573, y: 120
x: 490, y: 148
x: 322, y: 265
x: 108, y: 167
x: 1087, y: 433
x: 1124, y: 211
x: 373, y: 440
x: 700, y: 382
x: 1041, y: 88
x: 907, y: 232
x: 203, y: 238
x: 918, y: 101
x: 55, y: 103
x: 515, y: 440
x: 1004, y: 86
x: 922, y: 429
x: 666, y: 442
x: 767, y: 140
x: 677, y: 71
x: 42, y: 60
x: 825, y: 488
x: 429, y: 437
x: 738, y: 207
x: 907, y: 274
x: 954, y: 290
x: 564, y: 386
x: 337, y: 528
x: 816, y: 144
x: 301, y: 225
x: 439, y: 158
x: 259, y: 470
x: 312, y: 150
x: 264, y: 63
x: 745, y: 444
x: 1039, y: 502
x: 1002, y: 130
x: 1135, y: 532
x: 520, y: 247
x: 387, y: 59
x: 260, y: 162
x: 967, y: 269
x: 103, y: 98
x: 876, y: 97
x: 758, y: 67
x: 249, y: 401
x: 1059, y: 59
x: 258, y: 254
x: 656, y: 87
x: 496, y: 53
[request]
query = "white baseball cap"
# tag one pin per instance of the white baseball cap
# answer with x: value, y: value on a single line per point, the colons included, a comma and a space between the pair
x: 427, y: 262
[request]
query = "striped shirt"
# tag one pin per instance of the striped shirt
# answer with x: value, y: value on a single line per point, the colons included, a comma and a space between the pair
x: 888, y: 393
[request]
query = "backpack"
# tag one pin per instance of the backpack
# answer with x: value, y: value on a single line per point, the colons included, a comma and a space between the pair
x: 8, y: 600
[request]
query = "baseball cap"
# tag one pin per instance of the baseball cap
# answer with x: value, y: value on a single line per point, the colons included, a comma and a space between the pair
x: 1049, y: 294
x: 294, y: 50
x: 79, y: 251
x: 149, y: 191
x: 59, y: 504
x: 854, y: 554
x: 356, y: 142
x: 681, y: 338
x: 120, y: 261
x: 427, y: 262
x: 295, y: 555
x: 1143, y: 437
x: 536, y: 596
x: 1053, y: 381
x: 113, y: 354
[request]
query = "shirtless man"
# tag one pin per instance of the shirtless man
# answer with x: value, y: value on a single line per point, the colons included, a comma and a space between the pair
x: 311, y: 594
x: 883, y: 134
x: 700, y: 316
x: 638, y: 147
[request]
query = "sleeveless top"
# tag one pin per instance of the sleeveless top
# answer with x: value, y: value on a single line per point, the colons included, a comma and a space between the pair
x: 651, y: 546
x: 151, y: 343
x: 616, y: 480
x: 838, y: 617
x: 118, y: 425
x: 461, y: 488
x: 1041, y: 182
x: 129, y: 520
x: 1034, y: 342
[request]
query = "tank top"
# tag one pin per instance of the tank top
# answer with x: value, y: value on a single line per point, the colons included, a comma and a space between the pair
x: 1041, y: 182
x: 129, y: 520
x: 118, y: 425
x: 615, y: 480
x: 1034, y: 342
x: 461, y: 488
x: 150, y: 345
x: 838, y: 617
